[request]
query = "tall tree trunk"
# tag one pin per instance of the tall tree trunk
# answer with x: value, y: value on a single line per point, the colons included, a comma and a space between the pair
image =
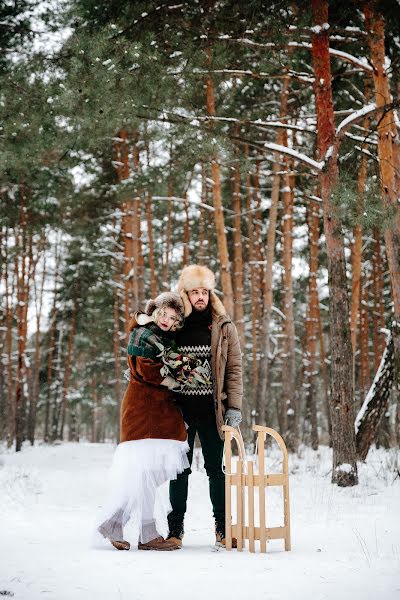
x: 365, y: 374
x: 137, y: 236
x: 10, y: 415
x: 152, y: 263
x: 237, y: 250
x: 222, y: 244
x: 128, y: 230
x: 39, y: 296
x: 262, y: 410
x: 356, y: 255
x: 378, y: 300
x: 375, y: 403
x: 388, y: 153
x: 22, y: 271
x: 186, y: 231
x: 289, y: 371
x: 67, y: 372
x: 344, y: 471
x: 312, y: 325
x: 253, y: 282
x: 116, y: 341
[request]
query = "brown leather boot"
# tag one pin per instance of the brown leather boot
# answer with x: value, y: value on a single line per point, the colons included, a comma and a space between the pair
x: 158, y: 544
x: 121, y: 544
x: 221, y: 541
x: 175, y: 540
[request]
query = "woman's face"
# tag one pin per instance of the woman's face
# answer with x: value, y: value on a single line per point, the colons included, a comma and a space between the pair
x: 166, y: 318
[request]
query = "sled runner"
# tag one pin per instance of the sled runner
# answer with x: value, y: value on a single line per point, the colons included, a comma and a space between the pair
x: 246, y: 479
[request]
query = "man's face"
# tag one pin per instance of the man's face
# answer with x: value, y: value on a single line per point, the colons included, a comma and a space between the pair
x: 199, y: 298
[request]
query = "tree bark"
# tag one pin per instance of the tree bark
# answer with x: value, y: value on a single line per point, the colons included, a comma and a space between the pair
x: 312, y: 326
x: 388, y: 153
x: 222, y: 244
x: 375, y: 403
x: 344, y: 471
x: 237, y: 250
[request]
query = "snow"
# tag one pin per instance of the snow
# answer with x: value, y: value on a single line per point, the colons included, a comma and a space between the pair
x: 354, y: 116
x: 298, y: 155
x: 345, y: 541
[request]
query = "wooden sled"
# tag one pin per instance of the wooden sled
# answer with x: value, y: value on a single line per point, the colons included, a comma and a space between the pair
x: 245, y: 477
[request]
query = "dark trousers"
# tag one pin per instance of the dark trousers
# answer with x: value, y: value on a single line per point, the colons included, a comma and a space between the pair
x: 212, y: 447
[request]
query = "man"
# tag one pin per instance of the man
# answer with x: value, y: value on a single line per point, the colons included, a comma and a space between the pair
x: 210, y: 334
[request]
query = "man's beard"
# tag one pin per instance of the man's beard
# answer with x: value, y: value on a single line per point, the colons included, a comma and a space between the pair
x: 200, y: 306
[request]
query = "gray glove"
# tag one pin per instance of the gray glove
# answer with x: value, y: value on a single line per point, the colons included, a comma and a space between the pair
x: 127, y: 374
x: 233, y: 417
x: 171, y: 383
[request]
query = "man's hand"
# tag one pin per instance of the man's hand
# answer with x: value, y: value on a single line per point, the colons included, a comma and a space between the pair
x: 233, y: 417
x: 171, y: 383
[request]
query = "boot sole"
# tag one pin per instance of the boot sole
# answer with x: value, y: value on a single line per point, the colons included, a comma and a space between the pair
x: 160, y: 549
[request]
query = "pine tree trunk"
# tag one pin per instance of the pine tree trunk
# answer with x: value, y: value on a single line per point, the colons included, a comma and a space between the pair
x: 324, y: 373
x: 312, y: 325
x: 237, y: 250
x: 152, y: 263
x: 167, y: 255
x: 344, y: 471
x: 388, y: 153
x: 289, y: 371
x: 117, y: 344
x: 222, y: 244
x: 375, y: 403
x: 137, y: 238
x: 67, y: 373
x: 263, y: 413
x: 365, y: 375
x: 378, y: 301
x: 52, y: 339
x: 10, y: 414
x: 31, y: 425
x: 186, y: 232
x: 22, y: 269
x: 253, y: 286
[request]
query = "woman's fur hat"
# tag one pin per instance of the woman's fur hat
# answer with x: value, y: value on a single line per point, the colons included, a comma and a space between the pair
x: 198, y: 276
x: 167, y: 300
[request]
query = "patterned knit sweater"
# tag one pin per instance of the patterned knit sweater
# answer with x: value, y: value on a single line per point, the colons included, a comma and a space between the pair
x: 195, y: 338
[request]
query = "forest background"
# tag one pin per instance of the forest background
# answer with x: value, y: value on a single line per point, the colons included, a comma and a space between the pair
x: 258, y: 138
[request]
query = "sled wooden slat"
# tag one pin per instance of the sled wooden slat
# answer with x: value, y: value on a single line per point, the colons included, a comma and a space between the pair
x: 228, y: 499
x: 261, y: 491
x: 239, y: 507
x: 271, y: 480
x: 249, y: 531
x: 245, y: 478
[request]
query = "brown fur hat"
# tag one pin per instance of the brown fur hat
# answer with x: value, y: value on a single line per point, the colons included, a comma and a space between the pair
x: 198, y: 276
x: 167, y: 300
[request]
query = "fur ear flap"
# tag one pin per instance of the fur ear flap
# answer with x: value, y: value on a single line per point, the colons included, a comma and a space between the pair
x: 216, y: 304
x: 150, y: 307
x: 186, y: 303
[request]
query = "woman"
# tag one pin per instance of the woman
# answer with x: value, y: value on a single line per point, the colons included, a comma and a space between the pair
x: 153, y: 435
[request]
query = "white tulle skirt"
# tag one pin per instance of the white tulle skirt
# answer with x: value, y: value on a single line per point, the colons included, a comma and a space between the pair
x: 137, y: 505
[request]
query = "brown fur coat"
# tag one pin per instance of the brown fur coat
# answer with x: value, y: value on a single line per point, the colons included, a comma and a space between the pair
x: 148, y: 409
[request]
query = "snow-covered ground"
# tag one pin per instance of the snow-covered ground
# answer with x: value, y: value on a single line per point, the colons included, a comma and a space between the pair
x: 345, y: 542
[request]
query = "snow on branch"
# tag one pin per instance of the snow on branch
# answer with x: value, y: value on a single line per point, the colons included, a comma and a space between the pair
x: 361, y: 63
x: 355, y: 116
x: 294, y: 154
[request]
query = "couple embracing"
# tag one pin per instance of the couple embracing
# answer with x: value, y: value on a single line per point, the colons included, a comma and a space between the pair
x: 162, y: 411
